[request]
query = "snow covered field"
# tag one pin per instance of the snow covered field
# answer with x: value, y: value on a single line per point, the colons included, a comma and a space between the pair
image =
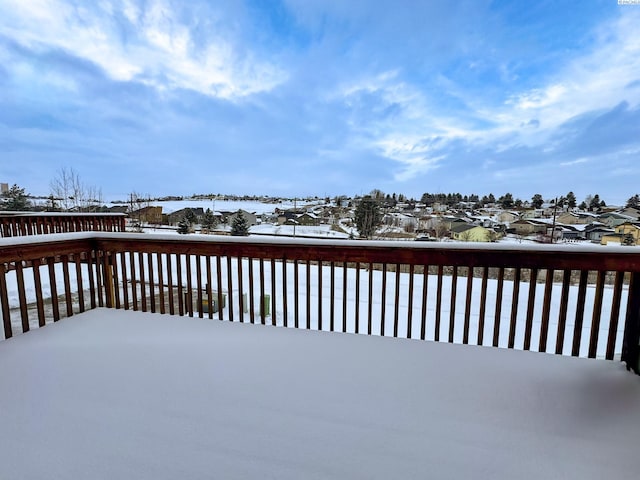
x: 114, y: 394
x: 393, y: 298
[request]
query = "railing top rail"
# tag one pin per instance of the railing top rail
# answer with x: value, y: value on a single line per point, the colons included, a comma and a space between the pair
x: 585, y: 257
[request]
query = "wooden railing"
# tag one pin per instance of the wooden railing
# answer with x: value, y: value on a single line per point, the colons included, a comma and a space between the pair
x: 575, y: 301
x: 17, y: 224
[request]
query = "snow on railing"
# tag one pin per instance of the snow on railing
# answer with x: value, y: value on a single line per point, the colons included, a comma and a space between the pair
x: 571, y: 301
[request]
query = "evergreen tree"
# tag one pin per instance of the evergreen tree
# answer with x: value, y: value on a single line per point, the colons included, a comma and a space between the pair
x: 16, y: 200
x: 537, y: 201
x: 190, y: 216
x: 571, y: 200
x: 239, y: 225
x: 184, y: 226
x: 633, y: 202
x: 583, y: 205
x: 506, y: 200
x: 209, y: 221
x: 628, y: 240
x: 367, y: 217
x: 594, y: 203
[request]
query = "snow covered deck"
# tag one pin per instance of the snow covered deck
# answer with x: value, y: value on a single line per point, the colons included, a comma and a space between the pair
x: 120, y: 394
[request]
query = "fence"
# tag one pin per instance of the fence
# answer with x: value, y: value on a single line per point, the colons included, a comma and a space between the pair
x: 579, y: 301
x: 17, y: 224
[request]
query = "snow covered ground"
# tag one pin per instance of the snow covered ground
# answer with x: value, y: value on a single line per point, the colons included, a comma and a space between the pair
x: 114, y: 394
x: 223, y: 205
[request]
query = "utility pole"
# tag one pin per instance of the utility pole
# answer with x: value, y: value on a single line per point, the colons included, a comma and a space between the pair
x: 553, y: 230
x: 295, y: 210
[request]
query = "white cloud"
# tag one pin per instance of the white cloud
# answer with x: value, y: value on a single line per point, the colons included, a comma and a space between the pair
x: 160, y: 51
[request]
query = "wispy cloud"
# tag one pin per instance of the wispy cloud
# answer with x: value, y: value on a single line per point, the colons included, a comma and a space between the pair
x: 148, y: 43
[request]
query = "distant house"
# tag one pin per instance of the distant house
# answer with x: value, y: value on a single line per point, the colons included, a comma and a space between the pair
x: 252, y: 219
x: 528, y: 227
x: 309, y: 219
x: 614, y: 219
x: 576, y: 218
x: 175, y: 217
x: 631, y: 212
x: 630, y: 229
x: 507, y: 217
x: 595, y: 231
x: 147, y: 215
x: 470, y: 233
x: 401, y: 220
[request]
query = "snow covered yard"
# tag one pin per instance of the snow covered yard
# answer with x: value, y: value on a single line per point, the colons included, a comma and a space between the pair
x: 115, y: 394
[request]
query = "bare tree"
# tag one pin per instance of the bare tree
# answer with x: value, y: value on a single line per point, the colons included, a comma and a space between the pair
x: 67, y: 188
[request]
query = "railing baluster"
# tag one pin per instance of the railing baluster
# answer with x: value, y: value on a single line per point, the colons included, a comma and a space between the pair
x: 562, y: 315
x: 452, y: 307
x: 92, y: 280
x: 219, y: 286
x: 514, y: 307
x: 319, y: 295
x: 143, y: 288
x: 357, y: 319
x: 296, y: 294
x: 423, y: 316
x: 396, y: 309
x: 161, y: 299
x: 285, y: 310
x: 546, y: 309
x: 67, y: 286
x: 35, y: 264
x: 483, y: 305
x: 308, y: 281
x: 332, y: 305
x: 152, y: 288
x: 467, y: 306
x: 262, y: 310
x: 370, y: 312
x: 125, y: 280
x: 4, y: 301
x: 438, y: 303
x: 241, y: 301
x: 230, y: 288
x: 76, y: 258
x: 252, y: 315
x: 615, y: 313
x: 198, y: 285
x: 273, y: 292
x: 115, y: 278
x: 533, y: 281
x: 383, y: 303
x: 22, y: 297
x: 179, y: 284
x: 54, y: 289
x: 631, y: 339
x: 597, y: 312
x: 134, y: 286
x: 344, y: 297
x: 170, y: 297
x: 577, y: 328
x: 410, y: 301
x: 189, y: 294
x: 207, y: 259
x: 498, y: 312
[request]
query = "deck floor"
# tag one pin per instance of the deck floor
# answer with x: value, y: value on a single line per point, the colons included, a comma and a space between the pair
x: 119, y: 394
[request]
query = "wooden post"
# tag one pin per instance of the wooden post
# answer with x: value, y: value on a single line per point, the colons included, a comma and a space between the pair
x: 630, y: 343
x: 108, y: 280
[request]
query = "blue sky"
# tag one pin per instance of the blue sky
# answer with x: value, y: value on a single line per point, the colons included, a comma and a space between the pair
x: 319, y: 97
